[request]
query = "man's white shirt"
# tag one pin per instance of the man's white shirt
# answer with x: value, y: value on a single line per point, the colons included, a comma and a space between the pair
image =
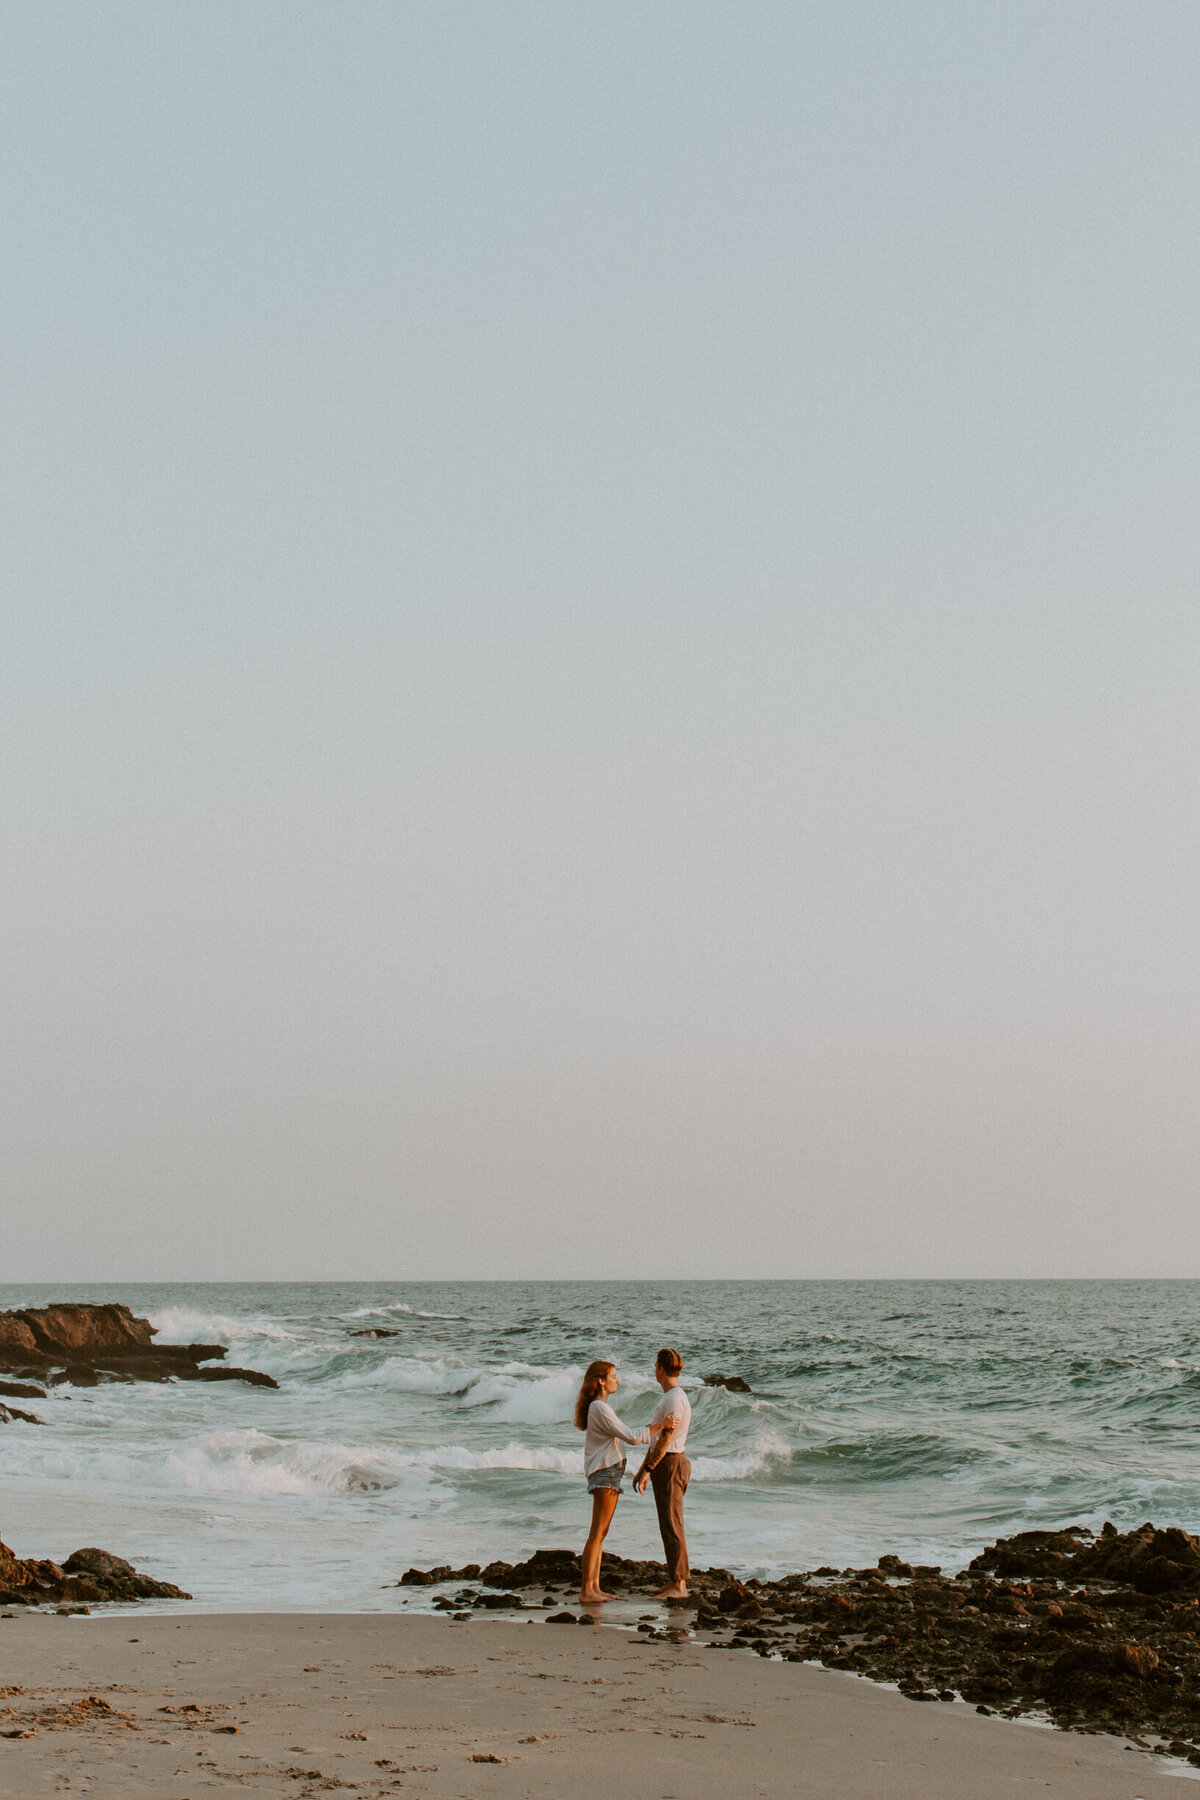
x: 676, y: 1404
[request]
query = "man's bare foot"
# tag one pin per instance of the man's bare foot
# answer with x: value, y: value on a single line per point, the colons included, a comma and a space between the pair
x: 678, y: 1592
x: 595, y: 1598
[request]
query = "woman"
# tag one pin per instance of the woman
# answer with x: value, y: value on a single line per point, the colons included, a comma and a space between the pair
x: 603, y: 1465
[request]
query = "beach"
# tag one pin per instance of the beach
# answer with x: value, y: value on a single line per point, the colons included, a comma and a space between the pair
x: 317, y: 1500
x: 292, y: 1704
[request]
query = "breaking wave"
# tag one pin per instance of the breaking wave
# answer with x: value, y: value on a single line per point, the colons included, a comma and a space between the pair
x: 398, y: 1308
x: 183, y: 1325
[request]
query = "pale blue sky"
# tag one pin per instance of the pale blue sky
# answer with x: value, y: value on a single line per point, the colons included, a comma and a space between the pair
x: 601, y: 638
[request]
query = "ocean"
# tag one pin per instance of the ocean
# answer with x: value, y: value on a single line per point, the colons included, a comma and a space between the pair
x: 924, y: 1418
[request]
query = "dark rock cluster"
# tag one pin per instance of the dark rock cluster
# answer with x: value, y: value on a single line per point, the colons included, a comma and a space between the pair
x: 86, y: 1577
x: 87, y: 1344
x: 1098, y: 1634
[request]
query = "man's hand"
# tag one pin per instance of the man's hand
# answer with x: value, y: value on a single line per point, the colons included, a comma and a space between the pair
x: 654, y: 1455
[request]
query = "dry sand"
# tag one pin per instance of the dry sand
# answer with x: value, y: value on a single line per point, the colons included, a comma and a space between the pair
x: 294, y: 1705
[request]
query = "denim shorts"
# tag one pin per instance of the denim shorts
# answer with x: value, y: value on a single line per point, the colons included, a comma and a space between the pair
x: 607, y: 1477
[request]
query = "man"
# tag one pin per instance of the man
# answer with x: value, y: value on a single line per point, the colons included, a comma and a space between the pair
x: 668, y: 1469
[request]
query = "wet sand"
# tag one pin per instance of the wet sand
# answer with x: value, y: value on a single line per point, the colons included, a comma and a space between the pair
x: 296, y: 1705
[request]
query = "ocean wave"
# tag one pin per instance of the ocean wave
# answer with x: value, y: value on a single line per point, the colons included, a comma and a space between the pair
x: 255, y: 1463
x: 398, y: 1307
x: 548, y: 1401
x: 408, y: 1375
x: 767, y: 1452
x: 520, y: 1393
x: 182, y: 1325
x: 886, y: 1456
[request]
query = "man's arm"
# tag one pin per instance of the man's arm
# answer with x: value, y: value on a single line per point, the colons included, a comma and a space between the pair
x: 658, y: 1449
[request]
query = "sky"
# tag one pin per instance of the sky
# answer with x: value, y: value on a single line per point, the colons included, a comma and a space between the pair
x: 599, y: 659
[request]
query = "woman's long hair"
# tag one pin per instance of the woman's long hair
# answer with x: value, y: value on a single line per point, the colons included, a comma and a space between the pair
x: 590, y: 1388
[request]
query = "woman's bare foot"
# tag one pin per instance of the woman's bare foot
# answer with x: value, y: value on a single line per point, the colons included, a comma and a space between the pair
x: 594, y: 1598
x: 678, y: 1592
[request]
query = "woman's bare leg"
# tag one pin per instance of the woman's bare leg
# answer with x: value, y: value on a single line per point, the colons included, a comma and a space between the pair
x: 604, y: 1505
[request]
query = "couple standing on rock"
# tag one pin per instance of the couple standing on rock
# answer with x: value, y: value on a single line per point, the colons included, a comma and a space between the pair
x: 664, y: 1466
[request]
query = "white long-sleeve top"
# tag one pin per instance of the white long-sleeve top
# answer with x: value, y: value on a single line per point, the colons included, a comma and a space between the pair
x: 605, y: 1435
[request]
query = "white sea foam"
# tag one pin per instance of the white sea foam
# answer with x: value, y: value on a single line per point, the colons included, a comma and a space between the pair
x: 258, y: 1463
x: 767, y: 1450
x: 255, y: 1463
x: 182, y: 1325
x: 548, y: 1401
x: 408, y: 1375
x: 521, y: 1393
x: 397, y: 1306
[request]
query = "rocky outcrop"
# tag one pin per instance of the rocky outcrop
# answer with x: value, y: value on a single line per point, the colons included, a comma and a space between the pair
x: 21, y: 1390
x: 1098, y: 1633
x: 86, y: 1578
x: 87, y: 1344
x: 1149, y: 1560
x: 9, y: 1413
x: 735, y: 1383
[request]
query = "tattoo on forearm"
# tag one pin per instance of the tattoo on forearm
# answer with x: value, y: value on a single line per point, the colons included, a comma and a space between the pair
x: 658, y: 1446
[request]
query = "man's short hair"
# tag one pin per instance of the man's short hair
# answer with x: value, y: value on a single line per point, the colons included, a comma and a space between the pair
x: 669, y: 1361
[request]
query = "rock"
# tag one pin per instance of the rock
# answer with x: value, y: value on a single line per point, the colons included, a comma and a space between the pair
x: 9, y: 1413
x: 254, y: 1377
x: 545, y: 1568
x: 1033, y: 1552
x: 732, y: 1597
x: 86, y: 1344
x: 87, y: 1575
x: 734, y: 1383
x: 118, y: 1579
x: 16, y: 1340
x: 22, y: 1390
x: 1150, y: 1560
x: 1159, y: 1574
x: 87, y: 1329
x: 891, y: 1565
x: 376, y: 1331
x: 78, y: 1375
x: 1135, y: 1659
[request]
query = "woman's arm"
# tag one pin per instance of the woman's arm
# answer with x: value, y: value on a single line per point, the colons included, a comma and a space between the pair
x: 611, y: 1426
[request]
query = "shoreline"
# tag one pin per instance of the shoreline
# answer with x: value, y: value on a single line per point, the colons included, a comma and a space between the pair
x: 176, y: 1707
x: 1093, y: 1634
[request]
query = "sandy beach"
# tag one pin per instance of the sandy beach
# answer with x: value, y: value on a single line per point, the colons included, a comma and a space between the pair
x: 289, y: 1704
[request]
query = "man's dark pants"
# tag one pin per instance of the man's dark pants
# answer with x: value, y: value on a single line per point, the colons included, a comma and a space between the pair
x: 669, y: 1479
